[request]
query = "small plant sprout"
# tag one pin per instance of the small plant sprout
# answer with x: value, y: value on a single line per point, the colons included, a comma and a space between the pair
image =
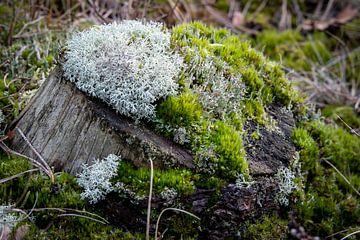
x: 129, y: 65
x: 95, y: 179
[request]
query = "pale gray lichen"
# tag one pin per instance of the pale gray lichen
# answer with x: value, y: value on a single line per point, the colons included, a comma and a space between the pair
x: 95, y: 179
x: 129, y: 65
x: 243, y: 181
x: 180, y: 136
x: 285, y: 179
x: 7, y: 218
x: 219, y: 92
x: 121, y: 188
x: 2, y: 117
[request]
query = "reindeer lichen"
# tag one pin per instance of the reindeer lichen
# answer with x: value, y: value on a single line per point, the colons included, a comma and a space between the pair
x: 129, y: 65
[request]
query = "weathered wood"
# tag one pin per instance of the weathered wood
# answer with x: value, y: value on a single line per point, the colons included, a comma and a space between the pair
x: 69, y: 128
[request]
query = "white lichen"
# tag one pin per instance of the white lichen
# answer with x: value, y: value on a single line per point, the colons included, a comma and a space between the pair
x: 2, y: 117
x: 7, y: 218
x: 121, y: 188
x: 95, y: 179
x: 129, y: 65
x: 180, y: 136
x: 219, y: 92
x: 243, y: 181
x: 285, y: 179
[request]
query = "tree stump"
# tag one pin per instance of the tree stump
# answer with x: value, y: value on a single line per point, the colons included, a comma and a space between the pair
x: 68, y: 129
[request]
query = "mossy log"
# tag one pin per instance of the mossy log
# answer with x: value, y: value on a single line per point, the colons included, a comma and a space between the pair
x: 68, y: 129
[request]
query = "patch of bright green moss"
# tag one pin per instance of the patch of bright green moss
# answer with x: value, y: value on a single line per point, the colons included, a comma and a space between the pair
x: 220, y: 149
x: 137, y: 179
x: 181, y: 110
x: 329, y: 203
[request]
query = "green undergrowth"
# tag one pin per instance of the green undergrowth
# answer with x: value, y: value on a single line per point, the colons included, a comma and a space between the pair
x: 225, y: 84
x: 26, y: 58
x: 329, y: 203
x: 270, y: 227
x: 344, y: 116
x: 137, y: 179
x: 35, y: 191
x: 295, y: 50
x: 79, y: 228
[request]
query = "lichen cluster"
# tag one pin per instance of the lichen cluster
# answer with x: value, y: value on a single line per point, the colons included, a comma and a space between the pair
x: 225, y: 84
x: 128, y: 65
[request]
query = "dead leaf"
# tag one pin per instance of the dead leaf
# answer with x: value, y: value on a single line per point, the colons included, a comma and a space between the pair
x: 322, y: 25
x: 238, y: 19
x: 348, y: 13
x: 21, y: 232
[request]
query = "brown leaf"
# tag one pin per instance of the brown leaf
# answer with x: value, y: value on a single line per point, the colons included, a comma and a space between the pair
x: 322, y: 25
x: 238, y: 19
x: 10, y: 135
x: 348, y: 13
x: 21, y: 232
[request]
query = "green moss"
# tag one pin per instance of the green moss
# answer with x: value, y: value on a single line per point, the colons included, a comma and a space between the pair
x: 241, y: 73
x: 271, y: 227
x: 255, y: 135
x: 337, y: 145
x: 219, y: 149
x: 138, y: 179
x: 347, y: 114
x: 255, y: 110
x: 64, y: 193
x: 235, y: 52
x: 329, y: 204
x: 309, y: 151
x: 208, y: 182
x: 181, y: 110
x: 10, y: 165
x: 78, y: 228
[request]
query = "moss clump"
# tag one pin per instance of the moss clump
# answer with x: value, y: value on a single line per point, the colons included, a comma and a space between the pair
x: 137, y: 179
x: 224, y: 84
x: 181, y: 110
x: 329, y: 203
x: 271, y: 227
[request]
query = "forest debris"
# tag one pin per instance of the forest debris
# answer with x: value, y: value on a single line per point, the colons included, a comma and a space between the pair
x: 344, y: 16
x: 238, y: 19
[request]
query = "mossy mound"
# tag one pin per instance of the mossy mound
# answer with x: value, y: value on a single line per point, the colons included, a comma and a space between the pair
x: 330, y: 159
x: 224, y: 85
